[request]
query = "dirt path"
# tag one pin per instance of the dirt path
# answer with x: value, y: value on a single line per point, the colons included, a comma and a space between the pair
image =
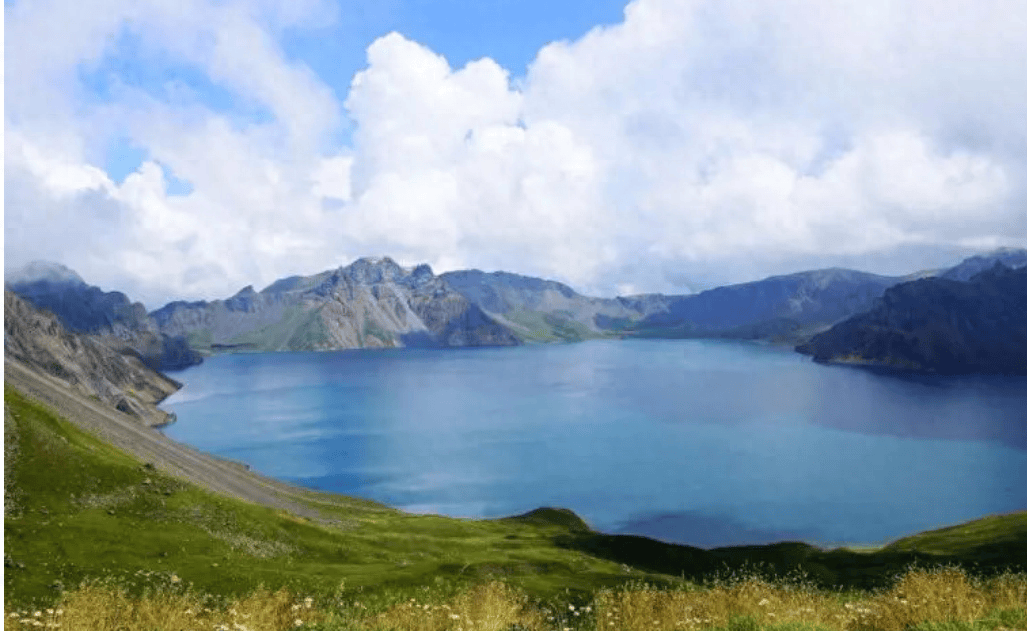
x: 150, y: 445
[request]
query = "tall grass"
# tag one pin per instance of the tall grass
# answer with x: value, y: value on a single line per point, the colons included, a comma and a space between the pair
x: 925, y: 600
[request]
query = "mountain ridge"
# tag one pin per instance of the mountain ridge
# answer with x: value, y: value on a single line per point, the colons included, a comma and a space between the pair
x: 937, y: 325
x: 109, y: 316
x: 39, y: 341
x: 374, y: 302
x: 369, y: 303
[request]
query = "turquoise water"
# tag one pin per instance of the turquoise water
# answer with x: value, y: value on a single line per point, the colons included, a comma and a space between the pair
x: 701, y: 442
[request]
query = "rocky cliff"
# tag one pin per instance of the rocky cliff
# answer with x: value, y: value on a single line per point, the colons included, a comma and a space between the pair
x: 109, y: 316
x: 38, y: 341
x: 938, y: 325
x: 370, y: 303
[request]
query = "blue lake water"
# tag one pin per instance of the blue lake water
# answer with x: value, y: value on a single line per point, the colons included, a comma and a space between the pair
x: 700, y: 442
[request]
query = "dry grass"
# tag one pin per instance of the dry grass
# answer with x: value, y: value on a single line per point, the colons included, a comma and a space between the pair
x: 919, y: 596
x: 491, y: 607
x: 99, y: 607
x: 938, y: 600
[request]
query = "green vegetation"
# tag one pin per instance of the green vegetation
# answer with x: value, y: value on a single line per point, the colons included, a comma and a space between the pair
x: 537, y: 326
x: 372, y: 330
x: 99, y: 535
x: 298, y: 329
x: 200, y: 339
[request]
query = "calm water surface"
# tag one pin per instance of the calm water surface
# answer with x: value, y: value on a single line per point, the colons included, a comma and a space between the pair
x: 701, y: 442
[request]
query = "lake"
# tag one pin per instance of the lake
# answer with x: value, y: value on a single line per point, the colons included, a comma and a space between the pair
x: 693, y: 441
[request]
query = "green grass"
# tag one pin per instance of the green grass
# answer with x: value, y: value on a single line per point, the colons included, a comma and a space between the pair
x: 536, y: 326
x: 298, y: 329
x: 77, y: 509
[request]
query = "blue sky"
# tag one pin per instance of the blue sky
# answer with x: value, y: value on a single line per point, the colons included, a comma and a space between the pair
x: 509, y: 32
x: 187, y: 148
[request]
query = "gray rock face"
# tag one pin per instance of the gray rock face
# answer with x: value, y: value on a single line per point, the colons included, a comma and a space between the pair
x: 110, y: 316
x: 39, y: 341
x: 370, y: 303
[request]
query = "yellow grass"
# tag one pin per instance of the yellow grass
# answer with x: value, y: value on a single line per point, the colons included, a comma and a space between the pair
x: 944, y: 595
x: 919, y: 597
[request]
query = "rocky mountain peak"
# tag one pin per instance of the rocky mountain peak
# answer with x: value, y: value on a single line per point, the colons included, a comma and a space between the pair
x: 370, y: 270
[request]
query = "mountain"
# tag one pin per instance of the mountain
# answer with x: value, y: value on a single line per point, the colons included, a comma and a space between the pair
x: 938, y: 325
x: 1010, y: 257
x: 779, y: 307
x: 37, y: 341
x: 541, y: 310
x: 370, y: 303
x: 110, y: 316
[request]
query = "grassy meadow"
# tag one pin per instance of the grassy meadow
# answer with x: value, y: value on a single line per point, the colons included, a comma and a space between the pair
x: 95, y: 539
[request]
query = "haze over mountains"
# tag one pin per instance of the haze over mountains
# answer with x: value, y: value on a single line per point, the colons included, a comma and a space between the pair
x: 375, y: 302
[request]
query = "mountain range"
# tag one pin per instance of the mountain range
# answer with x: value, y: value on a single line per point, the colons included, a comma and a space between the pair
x: 374, y: 302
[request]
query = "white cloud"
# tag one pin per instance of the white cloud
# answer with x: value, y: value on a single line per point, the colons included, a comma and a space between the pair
x: 697, y: 142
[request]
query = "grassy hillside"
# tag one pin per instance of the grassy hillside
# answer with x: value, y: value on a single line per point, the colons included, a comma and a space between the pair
x: 78, y: 510
x: 298, y: 329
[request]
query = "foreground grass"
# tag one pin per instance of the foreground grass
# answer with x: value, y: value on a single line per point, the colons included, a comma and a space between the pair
x: 112, y: 543
x: 935, y: 600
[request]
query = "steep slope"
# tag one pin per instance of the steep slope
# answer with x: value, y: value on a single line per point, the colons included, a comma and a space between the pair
x: 110, y: 316
x: 370, y: 303
x: 39, y: 342
x: 938, y: 325
x: 542, y: 310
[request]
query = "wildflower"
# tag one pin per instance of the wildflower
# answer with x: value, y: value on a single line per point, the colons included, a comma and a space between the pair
x: 175, y: 579
x: 763, y: 603
x: 454, y: 616
x: 297, y: 623
x: 308, y: 602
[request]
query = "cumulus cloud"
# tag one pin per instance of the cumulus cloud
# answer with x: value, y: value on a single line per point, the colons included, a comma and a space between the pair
x: 695, y: 143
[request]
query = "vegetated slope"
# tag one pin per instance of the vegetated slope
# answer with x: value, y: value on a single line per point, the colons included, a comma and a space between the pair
x: 109, y: 316
x: 543, y: 310
x: 938, y: 325
x: 370, y: 303
x: 38, y: 341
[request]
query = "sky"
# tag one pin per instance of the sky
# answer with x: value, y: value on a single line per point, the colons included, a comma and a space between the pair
x: 182, y: 149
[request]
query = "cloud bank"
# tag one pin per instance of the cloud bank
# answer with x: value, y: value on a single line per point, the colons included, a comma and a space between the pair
x: 695, y: 143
